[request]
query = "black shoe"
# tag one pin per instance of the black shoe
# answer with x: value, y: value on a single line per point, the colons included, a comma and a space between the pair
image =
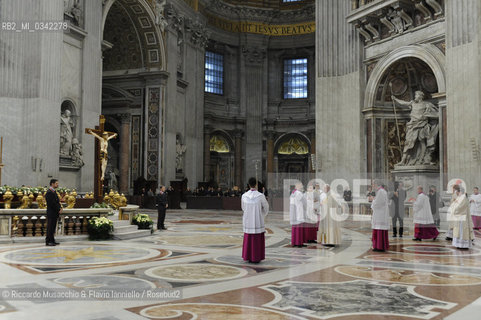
x: 163, y: 228
x: 400, y: 236
x: 449, y: 239
x: 50, y: 244
x: 416, y: 239
x: 57, y: 243
x: 377, y: 250
x: 394, y: 235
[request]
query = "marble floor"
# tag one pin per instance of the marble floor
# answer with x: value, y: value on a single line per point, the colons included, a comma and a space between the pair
x: 194, y: 270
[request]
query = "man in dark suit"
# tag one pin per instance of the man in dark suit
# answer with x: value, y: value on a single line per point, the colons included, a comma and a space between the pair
x: 435, y: 203
x: 53, y: 211
x: 162, y: 205
x: 397, y: 209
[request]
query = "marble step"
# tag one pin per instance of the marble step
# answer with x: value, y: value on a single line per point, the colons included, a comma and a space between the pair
x: 132, y: 234
x: 120, y: 223
x: 125, y: 229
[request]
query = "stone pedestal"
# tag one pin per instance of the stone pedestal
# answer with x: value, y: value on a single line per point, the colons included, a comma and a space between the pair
x: 414, y: 176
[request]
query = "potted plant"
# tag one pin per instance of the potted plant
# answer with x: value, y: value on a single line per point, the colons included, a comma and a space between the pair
x: 100, y: 228
x: 143, y: 221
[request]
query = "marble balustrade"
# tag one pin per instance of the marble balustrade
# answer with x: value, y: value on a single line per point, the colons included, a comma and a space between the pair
x: 33, y: 222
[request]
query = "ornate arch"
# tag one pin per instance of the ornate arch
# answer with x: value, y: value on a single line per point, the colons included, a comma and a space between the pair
x: 428, y: 53
x: 143, y: 17
x: 225, y: 136
x: 289, y: 136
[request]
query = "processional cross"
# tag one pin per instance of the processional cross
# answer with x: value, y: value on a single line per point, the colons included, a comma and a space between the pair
x: 101, y: 155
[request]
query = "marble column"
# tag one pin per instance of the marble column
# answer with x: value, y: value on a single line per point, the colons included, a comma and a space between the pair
x: 354, y: 4
x: 338, y: 92
x: 255, y: 69
x: 270, y: 151
x: 238, y: 158
x: 124, y: 153
x: 207, y: 131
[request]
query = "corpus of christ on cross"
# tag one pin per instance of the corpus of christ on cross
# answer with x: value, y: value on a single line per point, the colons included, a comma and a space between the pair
x: 102, y: 138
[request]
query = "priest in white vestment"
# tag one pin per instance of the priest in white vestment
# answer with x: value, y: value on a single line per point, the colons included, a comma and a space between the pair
x: 329, y: 226
x: 298, y: 219
x: 255, y: 207
x: 311, y: 215
x: 475, y: 208
x: 380, y: 219
x: 463, y: 234
x: 318, y: 198
x: 424, y: 227
x: 452, y: 205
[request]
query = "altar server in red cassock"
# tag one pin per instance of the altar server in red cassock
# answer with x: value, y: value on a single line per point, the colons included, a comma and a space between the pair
x: 255, y: 207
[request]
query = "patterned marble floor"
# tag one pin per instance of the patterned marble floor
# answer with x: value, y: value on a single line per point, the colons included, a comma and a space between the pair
x: 194, y: 270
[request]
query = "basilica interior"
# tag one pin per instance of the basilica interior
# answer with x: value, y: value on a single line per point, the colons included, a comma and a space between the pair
x: 201, y: 95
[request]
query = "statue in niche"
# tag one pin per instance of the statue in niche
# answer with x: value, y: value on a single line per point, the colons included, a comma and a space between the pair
x: 421, y: 131
x: 113, y: 182
x: 179, y: 156
x: 159, y: 14
x: 66, y: 133
x: 76, y: 153
x: 180, y: 52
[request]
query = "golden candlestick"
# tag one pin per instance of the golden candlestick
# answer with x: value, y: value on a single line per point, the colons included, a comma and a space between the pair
x: 8, y: 197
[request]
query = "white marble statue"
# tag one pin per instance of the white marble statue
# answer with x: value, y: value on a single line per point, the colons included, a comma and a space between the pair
x: 76, y: 153
x: 421, y: 131
x: 66, y: 133
x: 160, y: 19
x: 179, y: 156
x: 113, y: 183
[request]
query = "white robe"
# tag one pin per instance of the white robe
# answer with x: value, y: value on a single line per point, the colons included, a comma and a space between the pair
x: 297, y: 208
x: 311, y: 212
x: 329, y: 228
x: 422, y: 210
x: 380, y: 211
x: 453, y: 205
x: 463, y: 233
x: 255, y: 207
x: 475, y: 207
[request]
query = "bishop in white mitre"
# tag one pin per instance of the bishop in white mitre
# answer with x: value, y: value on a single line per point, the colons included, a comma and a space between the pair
x: 460, y: 218
x: 329, y: 225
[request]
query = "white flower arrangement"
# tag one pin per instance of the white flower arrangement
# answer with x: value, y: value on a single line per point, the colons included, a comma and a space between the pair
x: 142, y: 220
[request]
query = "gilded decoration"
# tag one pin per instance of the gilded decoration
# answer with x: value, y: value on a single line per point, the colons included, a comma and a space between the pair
x: 262, y: 28
x: 219, y: 144
x: 294, y: 145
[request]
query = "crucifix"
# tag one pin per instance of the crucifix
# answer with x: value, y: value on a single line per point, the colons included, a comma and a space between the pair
x: 1, y: 159
x: 102, y: 138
